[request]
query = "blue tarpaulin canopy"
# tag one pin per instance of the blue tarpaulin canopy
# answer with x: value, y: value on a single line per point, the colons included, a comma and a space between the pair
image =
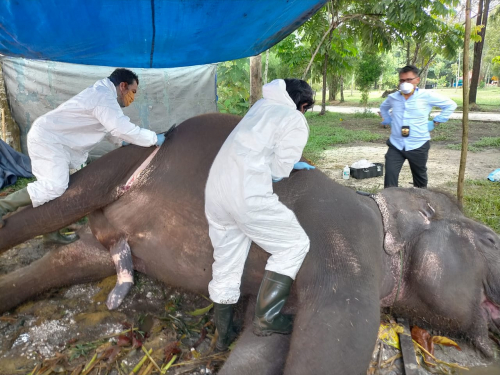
x: 147, y: 33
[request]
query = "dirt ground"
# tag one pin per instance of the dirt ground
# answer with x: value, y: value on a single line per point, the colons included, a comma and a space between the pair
x: 442, y: 165
x: 68, y: 325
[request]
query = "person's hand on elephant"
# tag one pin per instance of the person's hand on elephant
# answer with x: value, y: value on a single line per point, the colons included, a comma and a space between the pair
x: 160, y: 139
x: 303, y: 165
x: 277, y: 179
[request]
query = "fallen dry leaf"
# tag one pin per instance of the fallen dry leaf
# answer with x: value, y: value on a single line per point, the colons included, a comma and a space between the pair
x: 424, y: 338
x: 445, y: 341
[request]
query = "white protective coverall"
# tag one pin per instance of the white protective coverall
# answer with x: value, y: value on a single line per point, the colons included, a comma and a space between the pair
x: 239, y: 201
x: 62, y: 138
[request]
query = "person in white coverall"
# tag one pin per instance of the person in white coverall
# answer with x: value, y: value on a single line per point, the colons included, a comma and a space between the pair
x: 241, y: 207
x: 62, y: 138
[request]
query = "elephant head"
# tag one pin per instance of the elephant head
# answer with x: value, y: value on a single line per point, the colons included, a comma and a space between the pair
x: 446, y: 266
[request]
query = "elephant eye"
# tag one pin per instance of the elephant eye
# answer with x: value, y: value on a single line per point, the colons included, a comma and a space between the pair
x: 488, y: 240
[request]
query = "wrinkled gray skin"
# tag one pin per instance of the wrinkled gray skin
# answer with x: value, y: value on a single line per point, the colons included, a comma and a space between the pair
x: 450, y: 274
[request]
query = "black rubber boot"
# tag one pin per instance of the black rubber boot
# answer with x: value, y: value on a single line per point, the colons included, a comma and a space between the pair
x: 12, y: 202
x: 223, y: 319
x: 59, y: 239
x: 273, y: 293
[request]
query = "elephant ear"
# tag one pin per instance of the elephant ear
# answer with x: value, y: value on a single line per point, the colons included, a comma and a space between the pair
x: 406, y: 213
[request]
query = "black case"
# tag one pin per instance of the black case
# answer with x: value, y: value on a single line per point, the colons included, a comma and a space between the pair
x: 361, y: 173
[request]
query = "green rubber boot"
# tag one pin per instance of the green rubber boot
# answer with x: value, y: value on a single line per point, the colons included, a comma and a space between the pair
x: 273, y: 293
x: 12, y: 202
x: 21, y: 198
x: 59, y: 239
x: 223, y: 319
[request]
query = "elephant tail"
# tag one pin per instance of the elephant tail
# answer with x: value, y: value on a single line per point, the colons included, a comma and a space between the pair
x: 95, y: 186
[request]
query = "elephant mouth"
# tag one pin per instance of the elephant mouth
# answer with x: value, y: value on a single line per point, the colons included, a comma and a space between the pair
x: 491, y: 311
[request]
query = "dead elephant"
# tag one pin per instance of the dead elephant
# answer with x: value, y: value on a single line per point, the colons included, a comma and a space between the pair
x: 410, y: 248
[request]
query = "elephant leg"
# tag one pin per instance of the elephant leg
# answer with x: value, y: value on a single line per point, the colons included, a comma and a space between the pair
x: 256, y: 355
x: 82, y: 261
x: 116, y: 242
x: 122, y: 257
x: 346, y: 328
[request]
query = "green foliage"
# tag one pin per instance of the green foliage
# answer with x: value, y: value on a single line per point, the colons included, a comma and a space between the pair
x: 482, y: 202
x: 21, y: 183
x: 488, y: 142
x: 485, y: 142
x: 365, y: 114
x: 325, y: 133
x: 233, y: 86
x: 368, y: 72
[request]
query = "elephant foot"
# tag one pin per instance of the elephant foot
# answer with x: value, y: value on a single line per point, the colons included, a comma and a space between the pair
x: 282, y: 324
x: 122, y: 257
x: 117, y: 295
x: 59, y: 239
x: 483, y: 346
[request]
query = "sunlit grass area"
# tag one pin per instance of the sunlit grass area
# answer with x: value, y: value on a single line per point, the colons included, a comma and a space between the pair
x: 326, y: 132
x: 485, y: 142
x: 488, y: 99
x: 20, y: 183
x: 482, y: 202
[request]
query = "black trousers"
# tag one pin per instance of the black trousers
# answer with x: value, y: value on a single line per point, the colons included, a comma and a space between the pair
x: 417, y: 159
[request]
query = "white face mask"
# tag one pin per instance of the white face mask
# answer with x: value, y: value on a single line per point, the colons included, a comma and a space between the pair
x: 406, y: 87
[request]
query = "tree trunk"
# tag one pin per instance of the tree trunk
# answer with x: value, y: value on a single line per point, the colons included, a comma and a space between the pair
x: 425, y: 71
x: 10, y: 125
x: 458, y: 70
x: 465, y: 111
x: 267, y: 67
x: 482, y: 19
x: 408, y: 54
x: 323, y: 99
x: 255, y: 79
x: 325, y: 68
x: 415, y: 54
x: 341, y: 89
x: 331, y: 88
x: 352, y: 84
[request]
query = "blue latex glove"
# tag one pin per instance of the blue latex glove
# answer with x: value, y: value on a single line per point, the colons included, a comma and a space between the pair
x: 161, y: 139
x: 277, y: 179
x: 125, y: 143
x: 303, y: 165
x: 430, y: 125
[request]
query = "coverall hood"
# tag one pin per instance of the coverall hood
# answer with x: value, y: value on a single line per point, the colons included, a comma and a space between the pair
x: 276, y: 90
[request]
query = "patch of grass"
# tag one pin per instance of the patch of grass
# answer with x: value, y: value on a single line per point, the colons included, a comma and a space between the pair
x: 20, y: 184
x: 482, y: 202
x: 488, y: 142
x: 366, y: 114
x: 485, y: 142
x: 446, y: 131
x: 488, y: 98
x: 325, y: 134
x: 458, y: 147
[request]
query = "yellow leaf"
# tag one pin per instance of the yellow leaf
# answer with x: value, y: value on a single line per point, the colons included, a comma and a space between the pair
x: 388, y: 333
x: 201, y: 311
x: 445, y: 341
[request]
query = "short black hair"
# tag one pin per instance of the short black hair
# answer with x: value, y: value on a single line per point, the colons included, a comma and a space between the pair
x: 410, y: 68
x: 123, y: 75
x: 300, y: 92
